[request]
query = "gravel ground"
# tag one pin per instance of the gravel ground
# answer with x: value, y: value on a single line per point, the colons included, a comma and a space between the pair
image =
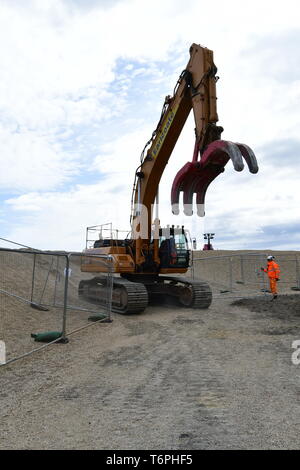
x: 221, y: 378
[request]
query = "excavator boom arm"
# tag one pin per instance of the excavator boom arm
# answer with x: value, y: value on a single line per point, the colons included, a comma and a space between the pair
x: 195, y: 89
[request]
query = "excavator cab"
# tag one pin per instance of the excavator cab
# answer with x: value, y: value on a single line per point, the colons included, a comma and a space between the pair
x: 173, y: 248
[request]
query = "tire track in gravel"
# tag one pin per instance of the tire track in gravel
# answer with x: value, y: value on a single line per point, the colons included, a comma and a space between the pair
x: 172, y: 393
x: 167, y: 379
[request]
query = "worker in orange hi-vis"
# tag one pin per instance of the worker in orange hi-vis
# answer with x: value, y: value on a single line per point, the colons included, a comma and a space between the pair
x: 273, y: 272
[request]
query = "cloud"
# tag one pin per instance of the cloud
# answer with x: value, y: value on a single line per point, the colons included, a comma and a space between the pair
x: 277, y: 54
x: 91, y: 4
x: 282, y: 153
x: 81, y: 88
x: 283, y: 236
x: 29, y: 161
x: 57, y: 220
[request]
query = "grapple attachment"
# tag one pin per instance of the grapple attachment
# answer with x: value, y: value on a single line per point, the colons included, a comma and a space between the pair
x: 196, y: 176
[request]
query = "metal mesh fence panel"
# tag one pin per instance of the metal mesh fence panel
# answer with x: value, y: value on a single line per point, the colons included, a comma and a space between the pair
x: 26, y: 307
x: 89, y: 293
x: 241, y: 274
x: 215, y: 270
x: 46, y: 293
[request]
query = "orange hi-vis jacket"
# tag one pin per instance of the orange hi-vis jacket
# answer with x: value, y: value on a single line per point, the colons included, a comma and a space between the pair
x: 272, y: 270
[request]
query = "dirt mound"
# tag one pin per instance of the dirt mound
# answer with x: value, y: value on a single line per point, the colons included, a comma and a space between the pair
x: 285, y: 306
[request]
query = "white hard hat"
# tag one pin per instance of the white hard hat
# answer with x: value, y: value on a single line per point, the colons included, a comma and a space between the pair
x: 270, y: 258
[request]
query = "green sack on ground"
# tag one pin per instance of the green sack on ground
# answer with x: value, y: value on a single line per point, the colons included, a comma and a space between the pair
x: 101, y: 316
x: 47, y: 336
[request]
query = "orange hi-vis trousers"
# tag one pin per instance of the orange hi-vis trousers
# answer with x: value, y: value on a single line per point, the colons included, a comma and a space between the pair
x: 273, y: 285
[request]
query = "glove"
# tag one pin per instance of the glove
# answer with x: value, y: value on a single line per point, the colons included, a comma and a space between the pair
x: 277, y: 279
x: 262, y: 269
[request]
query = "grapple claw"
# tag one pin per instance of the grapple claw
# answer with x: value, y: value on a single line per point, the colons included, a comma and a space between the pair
x: 249, y: 156
x: 196, y: 176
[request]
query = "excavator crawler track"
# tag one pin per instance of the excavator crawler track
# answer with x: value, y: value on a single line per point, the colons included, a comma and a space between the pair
x: 202, y: 295
x: 132, y: 296
x: 127, y: 297
x: 190, y: 293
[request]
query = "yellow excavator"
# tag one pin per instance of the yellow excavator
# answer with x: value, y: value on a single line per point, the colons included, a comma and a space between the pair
x: 150, y: 258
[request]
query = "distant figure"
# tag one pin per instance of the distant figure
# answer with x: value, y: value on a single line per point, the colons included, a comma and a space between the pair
x: 273, y: 272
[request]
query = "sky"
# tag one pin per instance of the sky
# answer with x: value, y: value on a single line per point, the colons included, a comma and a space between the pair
x: 82, y: 84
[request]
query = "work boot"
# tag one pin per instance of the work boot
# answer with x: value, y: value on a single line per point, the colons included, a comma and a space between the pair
x: 274, y: 297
